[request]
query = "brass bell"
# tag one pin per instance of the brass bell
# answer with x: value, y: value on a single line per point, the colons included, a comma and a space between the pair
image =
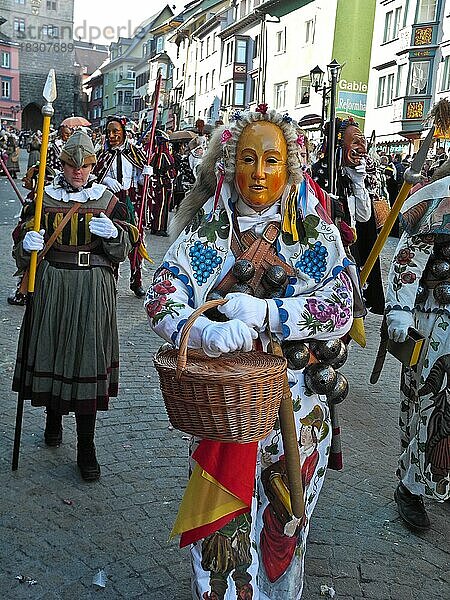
x: 340, y: 390
x: 439, y: 269
x: 320, y: 378
x: 274, y: 277
x: 297, y: 355
x: 441, y: 293
x: 243, y: 269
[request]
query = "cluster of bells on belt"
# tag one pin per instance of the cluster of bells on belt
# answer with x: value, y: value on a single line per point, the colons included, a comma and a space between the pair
x: 321, y: 377
x: 438, y: 269
x: 273, y: 284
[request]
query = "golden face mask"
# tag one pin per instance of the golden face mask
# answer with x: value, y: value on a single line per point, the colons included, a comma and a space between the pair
x: 261, y: 164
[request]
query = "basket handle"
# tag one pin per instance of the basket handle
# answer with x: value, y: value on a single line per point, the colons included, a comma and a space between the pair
x: 182, y: 352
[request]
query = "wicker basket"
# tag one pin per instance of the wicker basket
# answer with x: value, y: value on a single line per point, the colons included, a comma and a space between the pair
x: 233, y: 398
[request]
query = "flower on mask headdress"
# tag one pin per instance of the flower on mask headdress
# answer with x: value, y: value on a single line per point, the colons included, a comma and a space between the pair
x: 262, y: 108
x: 236, y: 115
x: 301, y: 140
x: 287, y: 118
x: 226, y: 135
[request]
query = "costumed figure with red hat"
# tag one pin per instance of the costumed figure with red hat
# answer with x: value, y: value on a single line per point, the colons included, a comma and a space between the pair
x: 121, y: 166
x: 234, y: 513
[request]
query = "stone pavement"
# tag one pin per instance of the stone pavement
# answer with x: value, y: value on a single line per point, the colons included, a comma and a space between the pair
x: 59, y: 531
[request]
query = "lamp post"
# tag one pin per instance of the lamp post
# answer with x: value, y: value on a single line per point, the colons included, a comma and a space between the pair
x: 316, y: 74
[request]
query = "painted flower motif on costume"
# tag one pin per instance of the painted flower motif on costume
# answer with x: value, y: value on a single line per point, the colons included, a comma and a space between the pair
x: 404, y: 264
x: 301, y: 141
x: 160, y: 305
x: 262, y: 108
x: 327, y: 315
x: 226, y: 136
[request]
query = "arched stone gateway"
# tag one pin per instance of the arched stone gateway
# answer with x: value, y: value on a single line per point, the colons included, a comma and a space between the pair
x: 32, y: 117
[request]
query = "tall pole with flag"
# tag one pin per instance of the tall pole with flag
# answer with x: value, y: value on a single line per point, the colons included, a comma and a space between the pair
x: 49, y: 95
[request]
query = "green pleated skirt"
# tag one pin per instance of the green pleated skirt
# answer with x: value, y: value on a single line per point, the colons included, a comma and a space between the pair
x: 72, y: 360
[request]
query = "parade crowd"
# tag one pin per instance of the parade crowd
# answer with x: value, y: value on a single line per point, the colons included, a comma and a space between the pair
x: 251, y: 222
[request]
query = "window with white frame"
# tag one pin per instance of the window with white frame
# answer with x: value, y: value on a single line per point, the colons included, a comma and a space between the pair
x: 397, y: 19
x: 280, y: 41
x: 426, y: 11
x: 207, y: 46
x: 200, y: 85
x: 20, y: 1
x: 51, y: 5
x: 256, y: 43
x: 160, y: 43
x: 309, y: 32
x: 385, y: 90
x: 241, y: 51
x: 239, y: 94
x: 419, y: 75
x: 6, y: 60
x: 214, y: 37
x: 381, y: 91
x: 6, y: 88
x: 400, y: 87
x: 213, y: 75
x: 229, y: 49
x: 201, y: 49
x: 445, y: 81
x: 105, y: 102
x: 303, y: 90
x: 206, y: 82
x: 280, y: 95
x: 19, y: 26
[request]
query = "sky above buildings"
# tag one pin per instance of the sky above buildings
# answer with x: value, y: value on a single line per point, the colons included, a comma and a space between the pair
x: 103, y: 21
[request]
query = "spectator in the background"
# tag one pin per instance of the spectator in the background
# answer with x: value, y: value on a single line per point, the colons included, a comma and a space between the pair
x: 34, y: 149
x: 184, y: 179
x: 13, y: 152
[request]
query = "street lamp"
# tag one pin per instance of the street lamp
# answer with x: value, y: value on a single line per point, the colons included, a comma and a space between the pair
x: 316, y: 74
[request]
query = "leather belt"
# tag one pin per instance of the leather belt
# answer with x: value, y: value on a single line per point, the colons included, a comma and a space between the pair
x: 82, y: 260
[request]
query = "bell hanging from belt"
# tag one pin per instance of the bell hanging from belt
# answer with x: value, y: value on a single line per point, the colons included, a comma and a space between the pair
x: 330, y: 352
x: 442, y: 246
x: 441, y: 293
x: 439, y: 269
x: 297, y: 354
x: 243, y: 270
x: 340, y: 390
x: 320, y: 378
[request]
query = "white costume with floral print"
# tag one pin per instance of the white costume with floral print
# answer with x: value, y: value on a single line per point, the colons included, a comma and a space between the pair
x: 424, y: 415
x: 317, y: 305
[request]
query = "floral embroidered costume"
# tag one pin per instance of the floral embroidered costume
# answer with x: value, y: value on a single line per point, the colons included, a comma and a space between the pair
x: 418, y: 296
x: 230, y: 550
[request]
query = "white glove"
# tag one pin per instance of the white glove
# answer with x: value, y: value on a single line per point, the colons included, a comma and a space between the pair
x: 33, y: 240
x: 103, y: 227
x: 112, y: 184
x: 227, y: 337
x: 357, y: 174
x: 398, y: 323
x: 246, y: 308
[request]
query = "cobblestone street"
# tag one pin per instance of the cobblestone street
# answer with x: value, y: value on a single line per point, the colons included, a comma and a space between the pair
x: 59, y: 530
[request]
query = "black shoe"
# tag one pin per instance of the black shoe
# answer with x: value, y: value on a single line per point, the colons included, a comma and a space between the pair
x: 411, y: 508
x: 160, y: 233
x: 88, y: 464
x: 138, y: 290
x: 17, y: 299
x: 53, y: 429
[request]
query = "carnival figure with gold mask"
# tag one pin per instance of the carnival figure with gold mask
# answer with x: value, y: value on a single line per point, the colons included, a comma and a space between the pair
x: 303, y: 292
x: 72, y: 356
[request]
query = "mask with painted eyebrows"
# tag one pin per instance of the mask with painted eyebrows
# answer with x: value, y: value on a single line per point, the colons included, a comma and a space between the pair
x: 261, y: 164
